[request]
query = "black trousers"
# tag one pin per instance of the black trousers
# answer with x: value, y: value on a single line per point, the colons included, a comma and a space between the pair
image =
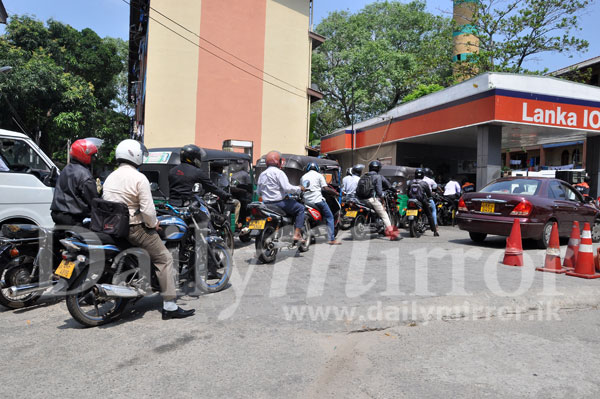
x: 67, y: 219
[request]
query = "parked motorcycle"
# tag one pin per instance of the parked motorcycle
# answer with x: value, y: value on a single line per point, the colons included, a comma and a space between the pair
x: 417, y: 220
x: 274, y: 230
x: 221, y: 216
x: 446, y: 209
x: 103, y: 274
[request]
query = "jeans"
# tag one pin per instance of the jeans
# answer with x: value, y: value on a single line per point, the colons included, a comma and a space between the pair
x: 293, y: 208
x: 328, y: 216
x: 433, y: 210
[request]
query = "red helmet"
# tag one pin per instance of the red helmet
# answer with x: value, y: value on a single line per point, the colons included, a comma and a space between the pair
x: 273, y: 158
x: 83, y: 149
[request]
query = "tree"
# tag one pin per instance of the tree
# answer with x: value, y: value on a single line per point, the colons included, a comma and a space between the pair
x: 510, y: 32
x: 64, y: 84
x: 373, y: 58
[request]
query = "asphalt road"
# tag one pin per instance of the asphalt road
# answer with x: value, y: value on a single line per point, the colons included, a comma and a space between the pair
x: 418, y: 318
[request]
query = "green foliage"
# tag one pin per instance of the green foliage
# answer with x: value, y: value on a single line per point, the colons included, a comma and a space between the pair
x: 65, y: 84
x: 422, y: 90
x: 513, y: 31
x: 374, y: 58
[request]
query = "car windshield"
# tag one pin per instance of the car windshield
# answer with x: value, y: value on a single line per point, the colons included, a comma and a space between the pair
x: 517, y: 186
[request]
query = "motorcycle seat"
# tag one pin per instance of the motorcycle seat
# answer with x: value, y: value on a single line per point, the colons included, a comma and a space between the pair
x: 99, y: 238
x: 276, y: 209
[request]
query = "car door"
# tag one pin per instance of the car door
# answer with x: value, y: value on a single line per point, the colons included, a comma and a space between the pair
x: 581, y: 212
x: 562, y: 208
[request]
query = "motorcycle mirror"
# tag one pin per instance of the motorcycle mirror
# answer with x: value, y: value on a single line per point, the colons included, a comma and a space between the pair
x: 153, y: 186
x: 196, y: 188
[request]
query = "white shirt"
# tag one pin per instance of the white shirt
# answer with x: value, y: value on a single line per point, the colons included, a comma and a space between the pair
x: 431, y: 182
x: 132, y: 188
x: 452, y: 188
x: 273, y: 185
x: 349, y: 184
x: 313, y: 181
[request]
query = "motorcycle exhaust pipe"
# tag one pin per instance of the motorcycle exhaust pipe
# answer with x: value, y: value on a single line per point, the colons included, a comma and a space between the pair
x: 27, y: 289
x: 117, y: 291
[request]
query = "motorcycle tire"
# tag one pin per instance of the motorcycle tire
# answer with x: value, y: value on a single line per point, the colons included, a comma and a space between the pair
x: 307, y: 236
x: 229, y: 238
x: 225, y: 265
x: 415, y: 229
x: 88, y: 298
x: 17, y: 272
x: 264, y: 254
x: 359, y: 228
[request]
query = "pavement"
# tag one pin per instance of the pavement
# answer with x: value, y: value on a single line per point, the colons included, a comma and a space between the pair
x: 417, y: 318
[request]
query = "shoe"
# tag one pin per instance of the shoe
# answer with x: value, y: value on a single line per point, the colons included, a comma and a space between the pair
x: 436, y: 234
x: 334, y: 242
x: 177, y: 314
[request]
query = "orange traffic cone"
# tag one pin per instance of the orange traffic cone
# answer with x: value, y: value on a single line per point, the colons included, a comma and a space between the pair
x: 552, y: 262
x: 573, y: 248
x: 584, y: 267
x: 513, y: 255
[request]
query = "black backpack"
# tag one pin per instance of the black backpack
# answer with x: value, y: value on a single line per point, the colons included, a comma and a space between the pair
x: 110, y: 218
x: 415, y: 191
x: 365, y: 187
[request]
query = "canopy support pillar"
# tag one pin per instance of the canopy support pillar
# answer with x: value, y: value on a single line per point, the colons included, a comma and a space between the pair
x: 489, y: 154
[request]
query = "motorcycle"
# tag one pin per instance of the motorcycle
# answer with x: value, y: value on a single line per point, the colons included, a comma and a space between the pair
x: 417, y: 220
x: 221, y: 217
x: 446, y: 209
x: 364, y: 218
x: 103, y: 274
x: 316, y: 221
x: 274, y: 230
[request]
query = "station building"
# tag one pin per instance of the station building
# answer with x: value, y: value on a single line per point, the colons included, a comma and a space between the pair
x: 205, y: 71
x: 482, y: 125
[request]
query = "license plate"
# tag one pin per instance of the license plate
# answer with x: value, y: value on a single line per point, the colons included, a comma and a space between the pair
x: 412, y: 212
x: 65, y: 269
x: 351, y: 214
x: 257, y: 224
x: 488, y: 207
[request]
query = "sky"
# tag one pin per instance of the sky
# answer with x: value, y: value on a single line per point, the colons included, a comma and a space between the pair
x: 111, y: 18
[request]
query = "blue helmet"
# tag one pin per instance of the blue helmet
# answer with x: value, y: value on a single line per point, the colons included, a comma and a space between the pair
x: 312, y: 166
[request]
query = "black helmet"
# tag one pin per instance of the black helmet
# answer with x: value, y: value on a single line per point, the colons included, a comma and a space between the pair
x: 419, y: 174
x: 358, y: 169
x: 428, y: 172
x: 191, y: 154
x: 349, y: 172
x: 312, y: 166
x: 374, y: 166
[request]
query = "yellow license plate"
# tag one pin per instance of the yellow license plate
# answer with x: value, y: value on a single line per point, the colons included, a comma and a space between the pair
x: 351, y: 214
x: 412, y: 212
x: 488, y: 207
x: 65, y: 269
x: 257, y: 224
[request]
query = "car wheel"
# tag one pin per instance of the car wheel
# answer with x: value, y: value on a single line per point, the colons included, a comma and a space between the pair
x: 596, y: 231
x: 542, y: 243
x: 477, y: 237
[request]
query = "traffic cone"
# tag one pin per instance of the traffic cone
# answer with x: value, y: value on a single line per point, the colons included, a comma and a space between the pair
x: 573, y: 248
x: 584, y: 267
x: 552, y: 262
x: 513, y: 255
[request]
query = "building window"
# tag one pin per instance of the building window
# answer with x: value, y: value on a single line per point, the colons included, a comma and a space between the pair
x: 564, y: 158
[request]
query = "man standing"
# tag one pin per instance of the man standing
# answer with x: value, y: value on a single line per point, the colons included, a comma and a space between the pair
x: 428, y: 178
x: 314, y: 182
x: 127, y: 185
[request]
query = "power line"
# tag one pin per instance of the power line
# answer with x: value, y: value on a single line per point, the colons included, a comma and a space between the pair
x: 221, y: 58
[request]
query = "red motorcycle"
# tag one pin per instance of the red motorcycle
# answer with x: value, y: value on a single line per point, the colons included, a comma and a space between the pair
x: 315, y: 219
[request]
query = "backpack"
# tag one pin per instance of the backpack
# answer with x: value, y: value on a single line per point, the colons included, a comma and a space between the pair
x: 365, y: 187
x: 110, y: 217
x: 415, y: 191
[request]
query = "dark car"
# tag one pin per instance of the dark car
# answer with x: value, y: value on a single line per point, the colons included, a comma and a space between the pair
x: 537, y: 202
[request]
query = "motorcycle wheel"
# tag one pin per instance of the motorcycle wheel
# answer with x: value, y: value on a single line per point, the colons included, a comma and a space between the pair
x: 228, y: 238
x: 91, y: 311
x: 222, y: 257
x: 307, y: 236
x: 18, y: 272
x: 264, y: 254
x: 415, y: 228
x: 359, y: 228
x: 245, y: 237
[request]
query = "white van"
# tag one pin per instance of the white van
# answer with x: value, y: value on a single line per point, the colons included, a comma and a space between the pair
x: 27, y: 178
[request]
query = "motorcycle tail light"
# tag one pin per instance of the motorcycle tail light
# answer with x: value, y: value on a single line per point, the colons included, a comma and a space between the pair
x: 522, y: 209
x: 462, y: 206
x: 255, y: 211
x: 14, y: 252
x: 269, y: 219
x: 248, y: 218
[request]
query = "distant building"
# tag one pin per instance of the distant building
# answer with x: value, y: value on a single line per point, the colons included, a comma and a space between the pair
x: 3, y: 14
x: 589, y: 70
x: 204, y: 71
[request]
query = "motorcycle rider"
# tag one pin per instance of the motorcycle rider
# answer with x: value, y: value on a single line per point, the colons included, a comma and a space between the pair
x: 421, y: 191
x: 76, y: 188
x: 314, y: 182
x: 584, y: 186
x: 376, y: 197
x: 350, y: 181
x: 428, y: 178
x: 127, y: 185
x: 184, y: 176
x: 272, y: 187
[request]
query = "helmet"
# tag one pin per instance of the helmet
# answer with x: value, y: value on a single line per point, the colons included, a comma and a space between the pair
x: 374, y: 166
x: 349, y: 172
x: 273, y: 158
x: 83, y: 150
x: 312, y: 166
x: 358, y: 169
x: 419, y: 174
x: 191, y: 154
x: 428, y: 172
x: 131, y: 152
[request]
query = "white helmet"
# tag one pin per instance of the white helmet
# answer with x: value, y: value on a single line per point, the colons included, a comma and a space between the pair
x: 130, y: 151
